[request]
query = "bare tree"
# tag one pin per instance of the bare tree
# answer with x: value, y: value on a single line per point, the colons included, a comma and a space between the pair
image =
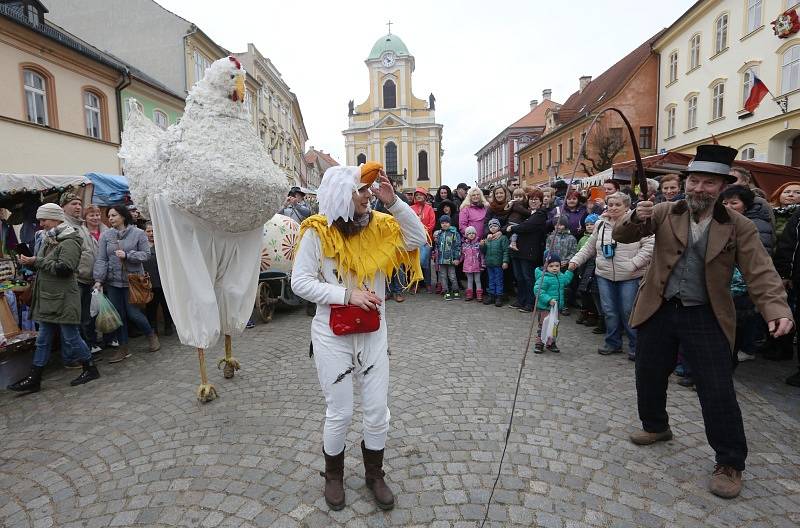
x: 604, y: 145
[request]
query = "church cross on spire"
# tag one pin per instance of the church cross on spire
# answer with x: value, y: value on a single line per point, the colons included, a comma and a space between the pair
x: 390, y: 26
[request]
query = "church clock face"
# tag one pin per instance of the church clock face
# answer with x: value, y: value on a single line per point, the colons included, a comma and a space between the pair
x: 388, y: 59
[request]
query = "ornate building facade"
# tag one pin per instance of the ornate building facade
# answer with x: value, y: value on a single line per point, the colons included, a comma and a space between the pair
x: 393, y: 126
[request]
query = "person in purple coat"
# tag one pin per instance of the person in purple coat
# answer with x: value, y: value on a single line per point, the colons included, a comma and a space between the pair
x: 473, y: 212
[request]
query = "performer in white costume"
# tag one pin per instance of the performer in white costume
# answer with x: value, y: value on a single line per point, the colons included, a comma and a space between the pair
x: 344, y: 257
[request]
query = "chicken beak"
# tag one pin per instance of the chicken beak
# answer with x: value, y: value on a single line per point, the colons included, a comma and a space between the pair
x: 239, y: 89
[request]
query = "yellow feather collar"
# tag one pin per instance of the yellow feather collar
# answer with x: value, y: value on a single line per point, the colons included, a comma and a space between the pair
x: 378, y: 247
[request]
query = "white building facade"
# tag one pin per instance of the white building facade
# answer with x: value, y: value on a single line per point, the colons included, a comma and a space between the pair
x: 709, y: 58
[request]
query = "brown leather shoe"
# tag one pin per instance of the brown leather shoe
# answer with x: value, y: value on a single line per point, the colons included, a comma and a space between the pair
x: 334, y: 480
x: 645, y: 438
x: 726, y: 482
x: 120, y: 353
x: 373, y: 473
x: 153, y: 344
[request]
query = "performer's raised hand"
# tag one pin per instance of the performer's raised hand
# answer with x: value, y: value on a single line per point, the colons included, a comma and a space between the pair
x: 366, y: 300
x: 385, y: 191
x: 644, y: 210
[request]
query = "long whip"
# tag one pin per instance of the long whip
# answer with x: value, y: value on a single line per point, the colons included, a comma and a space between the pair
x: 634, y: 178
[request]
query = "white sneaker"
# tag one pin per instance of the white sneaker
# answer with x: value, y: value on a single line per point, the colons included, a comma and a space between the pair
x: 744, y: 356
x: 114, y: 344
x: 96, y: 350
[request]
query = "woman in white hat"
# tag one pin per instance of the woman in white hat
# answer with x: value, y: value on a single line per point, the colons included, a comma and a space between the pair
x: 56, y: 301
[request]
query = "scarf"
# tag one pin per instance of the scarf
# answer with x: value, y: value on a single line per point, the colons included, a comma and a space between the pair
x: 378, y: 247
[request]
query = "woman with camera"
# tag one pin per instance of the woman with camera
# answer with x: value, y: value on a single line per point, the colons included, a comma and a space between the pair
x: 619, y: 267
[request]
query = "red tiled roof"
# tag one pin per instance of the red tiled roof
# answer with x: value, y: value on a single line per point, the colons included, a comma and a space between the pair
x: 535, y: 118
x: 606, y: 85
x: 326, y: 159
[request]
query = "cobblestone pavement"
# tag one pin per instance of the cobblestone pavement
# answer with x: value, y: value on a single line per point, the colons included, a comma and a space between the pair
x: 136, y: 449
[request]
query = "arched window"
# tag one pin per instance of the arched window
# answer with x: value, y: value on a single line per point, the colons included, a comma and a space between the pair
x: 671, y: 121
x: 673, y: 66
x: 694, y: 52
x: 791, y: 69
x: 422, y: 161
x: 160, y: 119
x: 721, y: 33
x: 361, y: 159
x: 391, y: 158
x: 718, y: 100
x: 92, y: 113
x: 747, y: 152
x: 389, y: 94
x: 36, y: 97
x: 691, y: 112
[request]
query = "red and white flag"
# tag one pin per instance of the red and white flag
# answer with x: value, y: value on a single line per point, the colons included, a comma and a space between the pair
x: 757, y: 92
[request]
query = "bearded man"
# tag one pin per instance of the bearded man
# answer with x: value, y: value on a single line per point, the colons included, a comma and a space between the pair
x: 684, y: 302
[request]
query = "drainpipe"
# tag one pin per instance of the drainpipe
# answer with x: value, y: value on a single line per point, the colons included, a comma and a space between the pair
x: 123, y: 83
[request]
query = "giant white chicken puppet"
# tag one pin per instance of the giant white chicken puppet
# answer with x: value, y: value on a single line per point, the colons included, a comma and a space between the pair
x: 208, y: 185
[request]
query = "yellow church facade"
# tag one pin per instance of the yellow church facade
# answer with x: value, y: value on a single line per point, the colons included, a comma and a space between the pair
x: 393, y: 126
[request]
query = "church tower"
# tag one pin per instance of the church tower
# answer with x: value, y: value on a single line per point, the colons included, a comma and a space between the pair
x: 392, y: 126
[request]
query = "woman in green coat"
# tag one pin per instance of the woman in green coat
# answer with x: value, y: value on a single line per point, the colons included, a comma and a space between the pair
x: 56, y: 303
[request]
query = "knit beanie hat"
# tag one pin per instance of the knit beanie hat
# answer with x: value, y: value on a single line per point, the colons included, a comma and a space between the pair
x: 69, y: 196
x: 470, y: 229
x: 50, y: 211
x: 591, y: 219
x: 494, y: 221
x: 445, y: 218
x: 563, y: 220
x: 552, y: 257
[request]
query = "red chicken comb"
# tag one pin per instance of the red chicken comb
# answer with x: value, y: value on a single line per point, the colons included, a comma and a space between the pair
x: 235, y: 61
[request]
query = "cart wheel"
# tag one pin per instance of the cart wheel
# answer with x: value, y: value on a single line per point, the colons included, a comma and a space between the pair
x: 265, y: 305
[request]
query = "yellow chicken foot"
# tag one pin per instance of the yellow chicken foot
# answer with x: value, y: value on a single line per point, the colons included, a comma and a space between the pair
x: 205, y: 392
x: 231, y: 363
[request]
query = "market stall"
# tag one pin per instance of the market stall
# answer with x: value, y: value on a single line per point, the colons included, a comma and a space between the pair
x: 20, y: 197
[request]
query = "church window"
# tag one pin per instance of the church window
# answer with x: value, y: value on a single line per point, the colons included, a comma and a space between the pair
x: 389, y: 94
x: 422, y: 159
x: 361, y: 159
x: 391, y: 158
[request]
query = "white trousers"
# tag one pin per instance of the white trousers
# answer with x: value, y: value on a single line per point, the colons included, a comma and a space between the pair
x: 210, y: 277
x: 336, y: 368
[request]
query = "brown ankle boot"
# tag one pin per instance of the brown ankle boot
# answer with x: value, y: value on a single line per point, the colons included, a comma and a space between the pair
x: 120, y: 353
x: 334, y: 480
x: 153, y: 344
x: 373, y: 473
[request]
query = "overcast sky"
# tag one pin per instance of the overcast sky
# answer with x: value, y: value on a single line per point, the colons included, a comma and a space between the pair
x: 483, y: 60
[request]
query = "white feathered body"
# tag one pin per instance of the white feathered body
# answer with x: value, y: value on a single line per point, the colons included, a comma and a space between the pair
x: 212, y: 163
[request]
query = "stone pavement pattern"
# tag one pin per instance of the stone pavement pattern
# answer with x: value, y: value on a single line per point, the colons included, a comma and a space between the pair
x: 136, y: 449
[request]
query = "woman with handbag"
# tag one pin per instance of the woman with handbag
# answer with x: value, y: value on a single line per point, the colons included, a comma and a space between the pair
x: 121, y: 253
x: 344, y: 257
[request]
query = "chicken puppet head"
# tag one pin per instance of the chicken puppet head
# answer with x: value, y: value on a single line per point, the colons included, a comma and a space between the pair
x: 211, y: 159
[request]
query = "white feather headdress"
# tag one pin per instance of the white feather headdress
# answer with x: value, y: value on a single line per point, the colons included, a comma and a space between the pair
x: 335, y: 193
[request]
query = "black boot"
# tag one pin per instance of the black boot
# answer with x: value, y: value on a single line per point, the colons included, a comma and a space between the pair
x: 89, y: 373
x: 334, y: 480
x: 31, y: 383
x: 488, y: 299
x: 373, y: 473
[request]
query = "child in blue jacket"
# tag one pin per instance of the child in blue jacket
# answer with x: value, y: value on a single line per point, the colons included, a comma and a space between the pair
x: 548, y: 291
x: 447, y: 242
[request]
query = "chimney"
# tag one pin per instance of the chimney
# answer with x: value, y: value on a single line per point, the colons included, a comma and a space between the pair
x: 546, y: 93
x: 534, y: 103
x: 584, y: 82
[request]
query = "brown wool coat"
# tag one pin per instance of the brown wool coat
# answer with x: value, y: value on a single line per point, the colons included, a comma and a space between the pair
x: 733, y: 240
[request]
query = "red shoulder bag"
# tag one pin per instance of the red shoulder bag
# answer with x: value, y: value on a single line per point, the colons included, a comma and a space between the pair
x: 351, y: 319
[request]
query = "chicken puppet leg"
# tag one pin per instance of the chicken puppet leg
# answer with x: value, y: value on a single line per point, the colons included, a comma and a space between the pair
x: 230, y: 362
x: 206, y: 391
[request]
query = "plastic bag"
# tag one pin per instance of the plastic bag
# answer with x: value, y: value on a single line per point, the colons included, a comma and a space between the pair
x: 107, y: 318
x: 550, y: 326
